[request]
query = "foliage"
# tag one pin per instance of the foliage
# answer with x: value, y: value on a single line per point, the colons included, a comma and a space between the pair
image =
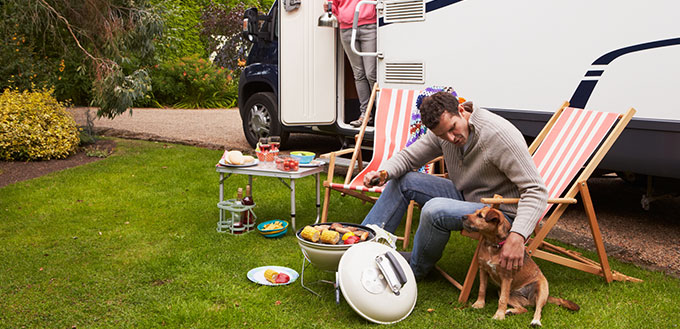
x: 193, y: 82
x: 130, y: 242
x: 221, y: 28
x: 183, y: 23
x: 95, y: 152
x: 180, y: 36
x: 34, y: 126
x: 99, y: 45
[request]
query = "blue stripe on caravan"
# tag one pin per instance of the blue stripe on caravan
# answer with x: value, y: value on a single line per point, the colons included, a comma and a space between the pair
x: 430, y: 6
x: 585, y: 89
x: 595, y: 73
x: 609, y: 57
x: 436, y: 4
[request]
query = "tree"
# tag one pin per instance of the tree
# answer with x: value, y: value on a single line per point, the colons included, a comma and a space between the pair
x: 111, y: 39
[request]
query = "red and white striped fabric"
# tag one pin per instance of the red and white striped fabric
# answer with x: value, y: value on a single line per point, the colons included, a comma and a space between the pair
x: 392, y: 120
x: 569, y: 144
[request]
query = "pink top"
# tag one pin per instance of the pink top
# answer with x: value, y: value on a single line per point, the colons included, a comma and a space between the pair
x: 344, y: 11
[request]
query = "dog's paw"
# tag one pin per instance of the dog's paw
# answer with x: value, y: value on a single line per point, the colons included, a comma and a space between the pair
x: 499, y: 315
x: 536, y: 323
x: 478, y: 304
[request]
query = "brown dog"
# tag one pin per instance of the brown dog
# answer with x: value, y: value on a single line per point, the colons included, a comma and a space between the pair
x: 519, y: 288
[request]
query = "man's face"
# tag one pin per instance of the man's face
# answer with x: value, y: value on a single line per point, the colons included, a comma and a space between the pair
x: 453, y: 128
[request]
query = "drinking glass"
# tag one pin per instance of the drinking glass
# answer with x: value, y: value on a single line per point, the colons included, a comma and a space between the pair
x: 275, y: 142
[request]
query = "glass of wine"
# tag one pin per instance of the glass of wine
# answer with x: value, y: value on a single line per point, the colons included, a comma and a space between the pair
x: 264, y: 144
x: 275, y: 142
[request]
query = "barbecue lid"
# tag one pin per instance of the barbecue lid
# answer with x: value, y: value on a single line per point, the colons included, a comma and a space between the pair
x: 377, y: 282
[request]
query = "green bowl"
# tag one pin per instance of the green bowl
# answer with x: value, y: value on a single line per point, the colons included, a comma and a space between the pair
x: 304, y: 157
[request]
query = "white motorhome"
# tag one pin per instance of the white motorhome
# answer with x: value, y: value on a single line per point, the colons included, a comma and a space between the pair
x: 519, y: 58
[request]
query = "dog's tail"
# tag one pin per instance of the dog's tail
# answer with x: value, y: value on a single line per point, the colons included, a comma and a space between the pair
x: 564, y: 303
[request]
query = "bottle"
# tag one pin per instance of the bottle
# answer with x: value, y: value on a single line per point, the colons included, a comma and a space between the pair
x: 239, y: 201
x: 247, y: 218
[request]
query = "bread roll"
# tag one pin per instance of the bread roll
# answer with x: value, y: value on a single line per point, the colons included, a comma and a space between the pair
x: 236, y: 158
x: 248, y: 159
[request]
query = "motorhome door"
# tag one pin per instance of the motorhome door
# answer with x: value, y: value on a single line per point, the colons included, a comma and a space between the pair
x: 307, y: 65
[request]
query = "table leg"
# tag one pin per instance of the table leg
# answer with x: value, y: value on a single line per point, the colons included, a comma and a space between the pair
x: 318, y: 198
x: 292, y: 203
x: 221, y: 194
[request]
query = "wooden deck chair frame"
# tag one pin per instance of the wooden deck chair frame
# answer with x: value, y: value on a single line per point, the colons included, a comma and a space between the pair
x: 539, y: 248
x: 358, y: 162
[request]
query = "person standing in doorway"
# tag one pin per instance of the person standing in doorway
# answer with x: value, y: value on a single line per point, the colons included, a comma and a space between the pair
x: 363, y: 67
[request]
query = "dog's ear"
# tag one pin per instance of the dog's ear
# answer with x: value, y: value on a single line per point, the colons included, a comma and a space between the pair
x: 492, y: 216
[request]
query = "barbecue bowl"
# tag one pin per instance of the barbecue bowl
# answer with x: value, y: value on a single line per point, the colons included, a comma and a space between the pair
x: 326, y: 256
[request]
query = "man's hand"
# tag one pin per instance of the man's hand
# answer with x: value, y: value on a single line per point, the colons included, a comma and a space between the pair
x: 512, y: 252
x: 370, y: 176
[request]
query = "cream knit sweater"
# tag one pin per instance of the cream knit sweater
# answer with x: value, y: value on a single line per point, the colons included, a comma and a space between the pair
x: 496, y: 161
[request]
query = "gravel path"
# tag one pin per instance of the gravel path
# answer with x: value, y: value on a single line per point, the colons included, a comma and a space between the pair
x: 214, y: 128
x: 647, y: 238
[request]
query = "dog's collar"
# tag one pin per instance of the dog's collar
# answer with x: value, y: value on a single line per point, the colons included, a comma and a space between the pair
x: 500, y: 244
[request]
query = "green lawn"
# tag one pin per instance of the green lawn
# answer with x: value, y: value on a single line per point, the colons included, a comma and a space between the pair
x: 130, y: 241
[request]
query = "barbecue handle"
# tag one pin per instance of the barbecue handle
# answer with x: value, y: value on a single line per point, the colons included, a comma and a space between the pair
x: 395, y: 265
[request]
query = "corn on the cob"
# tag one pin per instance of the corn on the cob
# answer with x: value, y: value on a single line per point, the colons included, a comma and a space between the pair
x: 330, y: 237
x: 270, y: 275
x: 309, y: 233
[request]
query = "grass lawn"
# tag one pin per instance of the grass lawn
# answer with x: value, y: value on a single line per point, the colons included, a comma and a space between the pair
x: 130, y: 241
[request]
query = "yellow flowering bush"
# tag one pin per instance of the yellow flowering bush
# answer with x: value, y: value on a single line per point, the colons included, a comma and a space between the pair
x: 35, y: 126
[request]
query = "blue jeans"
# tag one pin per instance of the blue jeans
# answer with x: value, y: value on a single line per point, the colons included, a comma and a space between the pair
x: 442, y: 212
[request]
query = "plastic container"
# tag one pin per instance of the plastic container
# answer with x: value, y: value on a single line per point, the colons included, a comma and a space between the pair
x: 274, y: 233
x: 287, y: 163
x: 304, y: 157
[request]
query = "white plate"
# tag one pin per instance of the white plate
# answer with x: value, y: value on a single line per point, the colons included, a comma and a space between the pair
x: 313, y: 163
x: 249, y: 164
x: 257, y: 275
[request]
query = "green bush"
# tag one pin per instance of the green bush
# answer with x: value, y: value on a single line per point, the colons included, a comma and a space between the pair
x: 193, y: 82
x: 35, y: 126
x: 181, y: 33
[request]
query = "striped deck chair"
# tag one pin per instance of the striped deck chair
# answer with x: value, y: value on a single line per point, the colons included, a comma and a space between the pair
x: 397, y: 125
x: 572, y: 144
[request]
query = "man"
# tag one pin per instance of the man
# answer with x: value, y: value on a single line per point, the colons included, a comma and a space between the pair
x: 485, y: 155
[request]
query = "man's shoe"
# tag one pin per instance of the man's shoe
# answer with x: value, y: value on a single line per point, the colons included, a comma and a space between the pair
x: 406, y: 255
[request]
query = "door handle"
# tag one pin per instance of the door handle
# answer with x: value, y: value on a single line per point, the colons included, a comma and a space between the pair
x: 355, y: 24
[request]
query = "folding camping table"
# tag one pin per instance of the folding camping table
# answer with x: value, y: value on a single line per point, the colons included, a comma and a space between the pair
x: 264, y: 170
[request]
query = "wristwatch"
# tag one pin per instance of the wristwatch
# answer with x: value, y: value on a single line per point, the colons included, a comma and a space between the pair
x: 383, y: 176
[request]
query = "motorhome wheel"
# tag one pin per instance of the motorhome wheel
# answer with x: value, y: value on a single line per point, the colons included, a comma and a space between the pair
x: 261, y: 118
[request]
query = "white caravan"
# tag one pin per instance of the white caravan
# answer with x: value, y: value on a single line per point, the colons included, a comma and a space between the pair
x: 519, y: 58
